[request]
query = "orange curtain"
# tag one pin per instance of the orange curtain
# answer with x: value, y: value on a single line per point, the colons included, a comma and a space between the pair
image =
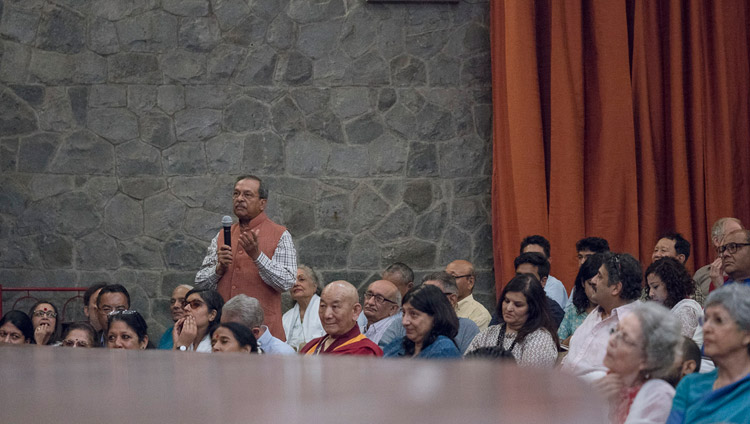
x: 617, y: 119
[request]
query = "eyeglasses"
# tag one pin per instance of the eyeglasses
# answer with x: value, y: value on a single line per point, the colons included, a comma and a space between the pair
x: 246, y: 195
x: 732, y: 248
x: 49, y: 314
x: 620, y: 337
x: 13, y: 336
x: 379, y: 299
x: 122, y: 312
x: 109, y: 309
x: 194, y: 304
x: 74, y: 343
x: 178, y: 301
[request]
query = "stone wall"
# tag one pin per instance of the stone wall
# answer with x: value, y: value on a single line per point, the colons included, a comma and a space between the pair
x: 123, y: 124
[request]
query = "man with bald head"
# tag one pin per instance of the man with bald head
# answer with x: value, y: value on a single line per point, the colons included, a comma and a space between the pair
x: 339, y: 309
x: 735, y: 256
x: 401, y: 275
x: 382, y: 303
x: 175, y: 308
x: 467, y: 307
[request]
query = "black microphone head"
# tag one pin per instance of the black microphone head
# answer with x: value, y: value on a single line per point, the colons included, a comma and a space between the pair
x: 226, y: 222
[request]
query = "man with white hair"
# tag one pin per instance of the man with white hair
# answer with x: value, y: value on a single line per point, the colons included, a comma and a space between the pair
x: 711, y: 276
x: 245, y: 310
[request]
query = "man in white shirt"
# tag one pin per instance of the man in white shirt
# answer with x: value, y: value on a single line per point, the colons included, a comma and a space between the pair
x: 467, y: 307
x: 381, y: 306
x: 247, y: 311
x: 554, y: 288
x: 616, y: 288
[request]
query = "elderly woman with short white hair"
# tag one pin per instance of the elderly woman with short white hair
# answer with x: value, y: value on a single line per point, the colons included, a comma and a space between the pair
x: 640, y: 353
x: 302, y: 322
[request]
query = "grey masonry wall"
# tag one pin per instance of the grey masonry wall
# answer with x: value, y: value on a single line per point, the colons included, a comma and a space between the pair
x: 123, y: 124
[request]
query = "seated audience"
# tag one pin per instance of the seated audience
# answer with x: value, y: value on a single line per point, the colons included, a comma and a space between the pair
x: 525, y: 330
x: 536, y: 264
x: 175, y: 308
x: 89, y: 306
x: 192, y: 332
x: 112, y: 297
x: 127, y: 330
x: 553, y: 287
x: 44, y: 318
x: 615, y: 289
x: 430, y: 323
x: 245, y: 310
x: 735, y: 256
x: 233, y: 337
x: 468, y: 307
x: 339, y: 309
x: 79, y: 334
x: 640, y: 353
x: 581, y: 304
x: 712, y: 276
x: 669, y: 283
x: 673, y: 245
x: 16, y: 328
x: 402, y: 276
x: 381, y: 306
x: 467, y: 328
x: 722, y: 394
x: 301, y: 323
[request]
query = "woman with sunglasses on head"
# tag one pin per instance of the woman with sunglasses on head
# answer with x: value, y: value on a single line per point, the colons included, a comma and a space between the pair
x: 192, y: 332
x: 233, y: 337
x: 16, y: 328
x: 79, y: 334
x: 127, y: 330
x: 44, y: 318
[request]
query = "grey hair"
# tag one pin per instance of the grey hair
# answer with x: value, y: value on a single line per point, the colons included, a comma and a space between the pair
x: 244, y: 308
x: 397, y: 297
x: 717, y: 231
x: 661, y: 337
x: 314, y: 276
x: 735, y: 298
x: 446, y: 280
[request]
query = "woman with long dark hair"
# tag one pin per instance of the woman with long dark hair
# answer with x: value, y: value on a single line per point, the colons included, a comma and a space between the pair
x: 579, y: 309
x: 202, y: 314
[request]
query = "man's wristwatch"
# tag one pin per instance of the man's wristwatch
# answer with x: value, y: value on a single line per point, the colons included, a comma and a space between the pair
x: 183, y: 348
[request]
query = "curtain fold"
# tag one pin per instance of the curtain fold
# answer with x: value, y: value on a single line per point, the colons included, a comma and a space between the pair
x: 646, y: 106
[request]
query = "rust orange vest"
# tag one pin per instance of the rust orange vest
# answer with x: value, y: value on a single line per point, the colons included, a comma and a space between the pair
x: 243, y: 277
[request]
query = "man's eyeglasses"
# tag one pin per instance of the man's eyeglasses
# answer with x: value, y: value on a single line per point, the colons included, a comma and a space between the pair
x: 732, y: 248
x: 74, y: 343
x: 194, y: 304
x: 461, y: 276
x: 379, y: 299
x: 123, y: 312
x: 109, y: 309
x: 177, y: 301
x: 48, y: 314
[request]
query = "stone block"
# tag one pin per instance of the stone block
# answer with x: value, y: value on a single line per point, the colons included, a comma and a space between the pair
x: 184, y: 66
x: 50, y: 68
x: 250, y: 32
x: 75, y: 214
x: 430, y: 226
x: 140, y: 253
x: 100, y: 188
x: 270, y: 8
x: 295, y: 214
x: 229, y: 13
x: 483, y: 247
x: 135, y: 68
x: 197, y: 124
x: 483, y: 121
x: 418, y: 195
x: 48, y: 185
x: 195, y: 191
x: 316, y: 40
x: 349, y: 161
x: 199, y: 34
x: 187, y: 7
x: 115, y: 10
x: 456, y: 244
x: 224, y: 153
x: 286, y: 117
x: 55, y: 251
x: 386, y: 98
x: 8, y: 154
x: 412, y: 99
x: 358, y: 33
x: 325, y: 250
x: 420, y: 20
x: 19, y: 253
x: 388, y: 155
x: 114, y: 124
x: 164, y: 215
x: 401, y: 121
x: 170, y: 98
x: 469, y: 213
x: 183, y: 253
x: 184, y: 159
x: 258, y: 67
x: 123, y: 217
x: 141, y: 98
x: 326, y: 125
x: 31, y: 94
x: 427, y: 44
x: 140, y: 283
x: 473, y: 186
x: 13, y: 195
x: 246, y: 114
x: 476, y: 70
x: 61, y: 30
x: 397, y: 225
x: 328, y: 70
x: 142, y: 187
x: 13, y: 66
x: 311, y: 99
x: 461, y: 158
x: 202, y: 224
x: 157, y: 129
x: 79, y: 104
x: 364, y: 253
x: 102, y: 37
x: 417, y: 253
x: 348, y: 102
x: 434, y: 124
x: 56, y: 112
x: 297, y: 69
x: 304, y: 12
x: 137, y: 158
x: 306, y: 155
x: 391, y: 189
x: 422, y: 160
x: 35, y: 151
x: 208, y: 96
x: 108, y: 95
x: 369, y: 69
x: 265, y: 94
x: 19, y: 25
x: 364, y: 129
x: 170, y: 281
x: 408, y: 71
x: 16, y: 117
x: 390, y: 40
x: 332, y: 212
x: 223, y: 61
x: 443, y: 71
x: 281, y: 33
x: 83, y: 153
x: 368, y: 208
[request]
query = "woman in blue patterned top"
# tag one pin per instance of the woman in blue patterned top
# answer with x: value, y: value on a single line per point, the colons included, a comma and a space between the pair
x: 578, y: 310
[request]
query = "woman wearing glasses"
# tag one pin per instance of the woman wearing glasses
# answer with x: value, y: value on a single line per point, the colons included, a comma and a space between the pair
x: 44, y: 318
x: 16, y: 328
x: 79, y: 334
x: 192, y: 332
x: 431, y: 325
x: 302, y: 322
x: 641, y: 351
x: 670, y: 284
x: 127, y: 330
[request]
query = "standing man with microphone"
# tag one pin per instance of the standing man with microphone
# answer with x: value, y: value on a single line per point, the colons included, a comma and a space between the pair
x: 254, y: 256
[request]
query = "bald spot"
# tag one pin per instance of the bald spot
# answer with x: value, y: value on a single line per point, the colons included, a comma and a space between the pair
x: 341, y: 290
x: 389, y: 289
x: 461, y: 267
x: 182, y: 288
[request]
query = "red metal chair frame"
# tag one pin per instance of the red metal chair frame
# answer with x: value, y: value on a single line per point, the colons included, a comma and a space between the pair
x: 28, y: 295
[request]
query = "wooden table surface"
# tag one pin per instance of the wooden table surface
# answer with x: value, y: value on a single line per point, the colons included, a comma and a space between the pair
x: 64, y: 385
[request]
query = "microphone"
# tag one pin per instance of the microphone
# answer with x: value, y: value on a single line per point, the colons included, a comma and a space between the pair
x: 226, y: 222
